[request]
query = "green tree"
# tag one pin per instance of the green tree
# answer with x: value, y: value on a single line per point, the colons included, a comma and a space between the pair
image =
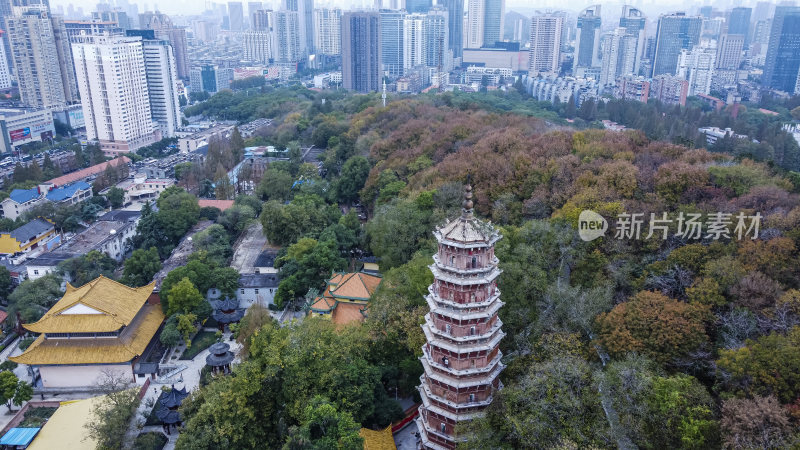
x: 352, y: 178
x: 275, y: 185
x: 397, y: 231
x: 769, y: 365
x: 85, y: 268
x: 181, y: 169
x: 49, y: 170
x: 6, y: 283
x: 151, y: 233
x: 657, y: 411
x: 185, y: 326
x: 216, y: 242
x: 141, y: 267
x: 305, y: 215
x: 170, y: 334
x: 324, y: 427
x: 116, y: 196
x: 12, y: 390
x: 183, y: 297
x: 112, y: 412
x: 307, y: 265
x: 178, y: 211
x: 32, y: 298
x: 554, y: 401
x: 240, y: 411
x: 238, y: 217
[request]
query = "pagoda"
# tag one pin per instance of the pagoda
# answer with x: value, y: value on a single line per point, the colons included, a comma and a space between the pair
x: 461, y: 357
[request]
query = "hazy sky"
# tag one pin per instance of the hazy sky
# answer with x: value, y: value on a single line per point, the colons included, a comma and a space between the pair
x: 651, y: 7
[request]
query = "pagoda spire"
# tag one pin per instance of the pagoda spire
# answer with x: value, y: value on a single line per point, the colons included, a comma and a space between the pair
x: 466, y: 210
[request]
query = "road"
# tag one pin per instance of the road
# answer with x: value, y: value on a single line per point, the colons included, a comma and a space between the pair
x: 248, y: 247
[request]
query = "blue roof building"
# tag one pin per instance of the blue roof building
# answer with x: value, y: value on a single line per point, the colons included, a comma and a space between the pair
x: 19, y: 201
x: 73, y: 193
x: 24, y: 195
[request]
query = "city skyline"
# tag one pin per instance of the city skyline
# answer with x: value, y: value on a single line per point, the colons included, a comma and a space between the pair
x: 194, y: 7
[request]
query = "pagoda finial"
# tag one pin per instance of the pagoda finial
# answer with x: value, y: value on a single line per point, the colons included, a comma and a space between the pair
x: 467, y: 205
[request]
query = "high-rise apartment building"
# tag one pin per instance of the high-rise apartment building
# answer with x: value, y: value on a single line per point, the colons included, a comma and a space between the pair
x: 783, y: 53
x: 257, y: 46
x: 455, y: 25
x: 162, y: 25
x: 545, y: 52
x: 675, y: 32
x: 210, y: 78
x: 634, y: 23
x: 494, y: 13
x: 251, y: 8
x: 286, y: 36
x: 632, y: 88
x: 236, y: 16
x: 305, y: 15
x: 484, y: 22
x: 76, y: 28
x: 112, y: 79
x: 392, y: 42
x: 361, y: 51
x: 697, y: 67
x: 5, y: 12
x: 587, y: 39
x: 42, y: 58
x: 739, y: 23
x: 260, y: 20
x: 476, y: 20
x: 418, y: 6
x: 619, y: 56
x: 669, y: 89
x: 436, y: 37
x: 5, y: 71
x: 162, y: 85
x: 328, y: 27
x: 729, y: 51
x: 413, y: 41
x: 116, y: 15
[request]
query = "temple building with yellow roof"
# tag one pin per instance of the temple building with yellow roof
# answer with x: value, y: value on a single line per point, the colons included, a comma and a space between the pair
x: 346, y: 297
x: 98, y: 328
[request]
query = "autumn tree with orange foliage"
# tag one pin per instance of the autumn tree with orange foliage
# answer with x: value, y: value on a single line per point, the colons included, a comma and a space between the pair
x: 655, y: 325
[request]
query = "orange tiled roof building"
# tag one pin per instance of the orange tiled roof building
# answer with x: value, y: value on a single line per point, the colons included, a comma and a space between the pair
x: 100, y: 327
x: 346, y: 297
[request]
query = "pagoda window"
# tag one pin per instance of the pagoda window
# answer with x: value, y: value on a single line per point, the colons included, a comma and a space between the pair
x: 472, y: 297
x: 473, y: 363
x: 444, y: 427
x: 471, y: 398
x: 474, y: 262
x: 472, y: 331
x: 445, y: 361
x: 452, y: 261
x: 447, y: 328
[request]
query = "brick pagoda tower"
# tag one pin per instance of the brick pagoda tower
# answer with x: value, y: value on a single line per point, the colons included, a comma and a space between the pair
x: 461, y: 357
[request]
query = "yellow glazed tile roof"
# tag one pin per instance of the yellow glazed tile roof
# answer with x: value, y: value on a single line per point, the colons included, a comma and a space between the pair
x: 117, y: 303
x: 378, y: 440
x: 347, y: 312
x: 65, y: 428
x: 355, y: 285
x: 130, y: 344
